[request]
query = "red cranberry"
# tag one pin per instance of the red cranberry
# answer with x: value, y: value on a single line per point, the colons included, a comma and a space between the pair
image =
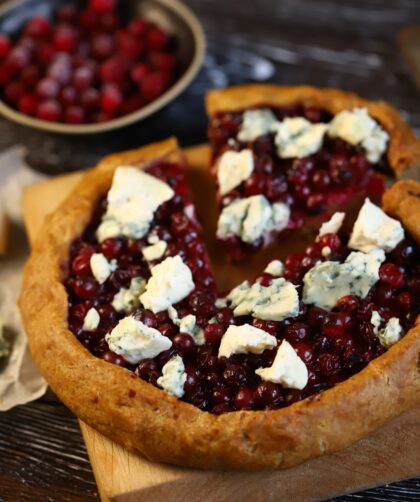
x: 6, y: 73
x: 220, y: 396
x: 191, y: 384
x: 348, y: 303
x: 88, y: 19
x: 27, y: 104
x: 330, y: 240
x: 112, y: 357
x: 66, y: 14
x: 413, y: 284
x: 268, y: 393
x: 268, y: 326
x: 405, y: 300
x: 265, y: 279
x: 102, y: 6
x: 83, y: 78
x: 18, y: 58
x: 329, y: 364
x: 184, y: 344
x: 102, y: 45
x: 244, y: 399
x: 90, y: 98
x: 234, y: 375
x: 111, y: 248
x: 392, y: 275
x: 335, y: 324
x: 315, y: 317
x: 320, y: 180
x: 68, y: 96
x: 312, y: 114
x: 85, y: 288
x: 30, y: 75
x: 113, y: 70
x: 139, y: 73
x: 153, y: 85
x: 47, y: 88
x: 213, y: 332
x: 156, y: 39
x: 14, y: 91
x: 162, y: 61
x: 81, y: 264
x: 109, y: 21
x: 38, y: 27
x: 138, y: 26
x: 254, y: 184
x: 293, y: 261
x: 65, y: 39
x: 49, y: 110
x: 79, y: 311
x: 129, y: 46
x: 111, y: 99
x: 305, y: 352
x: 74, y: 115
x: 384, y: 294
x: 296, y: 332
x: 404, y: 253
x: 5, y: 46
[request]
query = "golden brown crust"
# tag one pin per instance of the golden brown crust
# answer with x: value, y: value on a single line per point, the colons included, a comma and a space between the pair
x: 161, y: 427
x: 404, y: 146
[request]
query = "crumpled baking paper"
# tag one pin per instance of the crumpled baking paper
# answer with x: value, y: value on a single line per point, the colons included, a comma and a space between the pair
x: 20, y: 381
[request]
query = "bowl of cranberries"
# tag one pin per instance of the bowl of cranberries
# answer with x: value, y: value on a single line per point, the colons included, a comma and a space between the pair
x: 90, y: 66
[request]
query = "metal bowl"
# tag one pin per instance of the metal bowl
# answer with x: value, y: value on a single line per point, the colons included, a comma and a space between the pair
x: 172, y: 15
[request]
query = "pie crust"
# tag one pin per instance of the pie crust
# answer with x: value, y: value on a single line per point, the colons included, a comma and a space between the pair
x: 404, y: 146
x: 146, y: 419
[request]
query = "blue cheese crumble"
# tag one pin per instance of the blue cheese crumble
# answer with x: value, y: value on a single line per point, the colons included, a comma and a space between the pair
x: 132, y: 201
x: 328, y: 281
x: 357, y: 127
x: 173, y: 377
x: 271, y: 303
x: 91, y: 320
x: 245, y: 339
x: 155, y: 251
x: 171, y: 282
x: 233, y: 168
x: 297, y: 137
x: 287, y: 369
x: 135, y: 341
x: 101, y: 267
x: 256, y: 123
x: 252, y: 217
x: 388, y: 335
x: 127, y: 299
x: 374, y: 229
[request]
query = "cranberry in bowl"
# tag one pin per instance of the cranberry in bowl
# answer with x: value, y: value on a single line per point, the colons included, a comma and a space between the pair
x: 89, y: 66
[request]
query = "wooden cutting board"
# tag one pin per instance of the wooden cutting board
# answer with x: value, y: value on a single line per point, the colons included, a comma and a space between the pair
x: 390, y: 454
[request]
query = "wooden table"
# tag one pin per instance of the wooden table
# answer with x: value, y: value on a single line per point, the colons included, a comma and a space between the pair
x: 347, y: 44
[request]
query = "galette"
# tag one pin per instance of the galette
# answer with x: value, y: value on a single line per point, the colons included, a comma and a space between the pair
x: 125, y: 320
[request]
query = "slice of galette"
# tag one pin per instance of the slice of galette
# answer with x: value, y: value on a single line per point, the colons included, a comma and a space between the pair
x: 281, y: 155
x: 123, y: 319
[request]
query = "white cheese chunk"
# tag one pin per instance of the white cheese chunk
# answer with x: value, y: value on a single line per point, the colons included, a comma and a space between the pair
x: 171, y: 282
x: 297, y: 137
x: 252, y: 217
x: 135, y: 341
x: 245, y: 339
x: 188, y: 324
x: 333, y: 225
x: 4, y: 344
x: 256, y: 123
x: 101, y: 267
x: 132, y: 201
x: 127, y: 299
x: 374, y: 229
x: 326, y: 251
x: 357, y: 127
x: 392, y: 333
x: 275, y: 268
x: 155, y: 251
x: 328, y: 281
x: 233, y: 168
x: 275, y: 302
x: 173, y: 377
x: 376, y: 320
x: 287, y: 369
x: 91, y: 320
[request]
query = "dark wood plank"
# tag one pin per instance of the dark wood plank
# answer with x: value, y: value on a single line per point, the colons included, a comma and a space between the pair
x: 338, y: 43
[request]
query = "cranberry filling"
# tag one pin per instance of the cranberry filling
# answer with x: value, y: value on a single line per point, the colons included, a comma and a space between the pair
x: 329, y: 178
x: 85, y: 66
x: 333, y: 344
